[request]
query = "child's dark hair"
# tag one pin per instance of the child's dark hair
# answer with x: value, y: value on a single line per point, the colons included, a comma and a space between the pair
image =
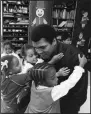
x: 37, y: 73
x: 7, y: 63
x: 66, y: 35
x: 7, y: 42
x: 43, y: 31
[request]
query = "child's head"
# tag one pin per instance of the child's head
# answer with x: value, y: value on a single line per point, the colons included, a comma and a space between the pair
x: 8, y: 48
x: 66, y: 38
x: 44, y: 74
x: 28, y: 53
x: 10, y: 65
x: 85, y: 13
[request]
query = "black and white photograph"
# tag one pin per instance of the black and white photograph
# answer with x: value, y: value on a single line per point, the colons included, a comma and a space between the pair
x: 45, y: 56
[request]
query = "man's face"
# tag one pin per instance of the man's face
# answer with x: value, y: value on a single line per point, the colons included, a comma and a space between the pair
x: 43, y: 48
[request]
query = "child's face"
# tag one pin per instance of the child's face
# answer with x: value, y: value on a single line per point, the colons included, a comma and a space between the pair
x: 67, y: 41
x: 30, y: 56
x: 7, y: 49
x: 51, y: 79
x: 85, y: 14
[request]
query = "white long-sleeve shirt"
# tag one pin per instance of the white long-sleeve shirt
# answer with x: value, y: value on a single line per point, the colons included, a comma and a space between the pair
x: 63, y: 88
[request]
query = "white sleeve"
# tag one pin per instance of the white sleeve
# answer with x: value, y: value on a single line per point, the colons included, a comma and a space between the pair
x: 62, y: 89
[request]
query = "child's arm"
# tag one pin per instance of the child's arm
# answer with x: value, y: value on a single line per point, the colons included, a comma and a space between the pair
x: 62, y: 89
x: 56, y: 58
x: 21, y: 79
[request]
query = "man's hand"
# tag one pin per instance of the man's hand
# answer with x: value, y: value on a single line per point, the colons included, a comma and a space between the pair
x: 63, y: 72
x: 82, y: 60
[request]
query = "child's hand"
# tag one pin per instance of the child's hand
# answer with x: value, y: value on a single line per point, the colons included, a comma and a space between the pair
x: 63, y: 72
x: 82, y: 60
x: 56, y: 58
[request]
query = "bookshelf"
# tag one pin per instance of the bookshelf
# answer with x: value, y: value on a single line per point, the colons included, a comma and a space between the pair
x: 15, y: 18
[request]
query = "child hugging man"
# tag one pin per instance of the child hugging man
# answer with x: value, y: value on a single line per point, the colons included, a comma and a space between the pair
x: 13, y: 83
x: 45, y: 93
x: 8, y: 49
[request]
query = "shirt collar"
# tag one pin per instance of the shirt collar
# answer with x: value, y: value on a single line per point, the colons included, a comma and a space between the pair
x: 41, y: 87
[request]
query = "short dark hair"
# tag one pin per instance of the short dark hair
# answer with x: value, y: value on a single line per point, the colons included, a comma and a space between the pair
x: 43, y: 31
x: 7, y: 42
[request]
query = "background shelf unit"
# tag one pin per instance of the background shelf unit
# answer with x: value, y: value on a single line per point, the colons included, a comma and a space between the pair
x: 16, y: 22
x: 63, y: 17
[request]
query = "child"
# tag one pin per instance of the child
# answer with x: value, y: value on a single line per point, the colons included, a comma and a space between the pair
x: 66, y: 38
x: 81, y: 40
x: 45, y: 93
x: 84, y: 19
x: 29, y: 57
x: 81, y: 43
x: 12, y: 83
x: 8, y: 49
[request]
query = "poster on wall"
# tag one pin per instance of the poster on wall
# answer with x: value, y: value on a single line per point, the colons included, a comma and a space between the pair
x: 40, y: 12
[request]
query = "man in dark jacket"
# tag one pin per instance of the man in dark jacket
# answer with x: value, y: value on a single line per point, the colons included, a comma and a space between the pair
x: 46, y: 45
